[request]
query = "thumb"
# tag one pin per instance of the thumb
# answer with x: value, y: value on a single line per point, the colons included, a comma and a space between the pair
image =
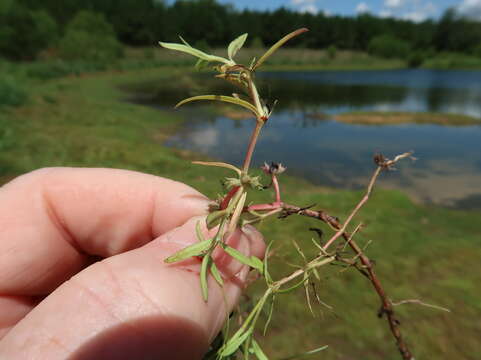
x: 133, y: 306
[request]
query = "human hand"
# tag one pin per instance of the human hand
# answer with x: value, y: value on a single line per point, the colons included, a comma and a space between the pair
x: 57, y: 301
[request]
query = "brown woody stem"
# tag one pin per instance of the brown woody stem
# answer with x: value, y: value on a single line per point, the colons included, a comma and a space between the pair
x: 386, y: 303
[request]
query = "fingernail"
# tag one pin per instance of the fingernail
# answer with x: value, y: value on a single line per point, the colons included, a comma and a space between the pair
x: 198, y: 202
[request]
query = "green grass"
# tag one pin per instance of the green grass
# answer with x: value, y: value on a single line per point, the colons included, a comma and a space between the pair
x: 450, y: 61
x: 397, y: 117
x: 285, y: 59
x: 421, y: 252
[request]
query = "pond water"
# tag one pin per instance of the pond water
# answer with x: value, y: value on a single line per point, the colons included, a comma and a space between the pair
x: 303, y: 135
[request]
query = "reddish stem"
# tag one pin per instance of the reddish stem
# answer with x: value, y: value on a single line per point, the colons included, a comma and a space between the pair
x: 252, y: 145
x: 230, y: 194
x: 260, y: 207
x: 277, y: 190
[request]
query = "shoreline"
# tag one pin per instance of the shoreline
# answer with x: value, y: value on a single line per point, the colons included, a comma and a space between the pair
x: 383, y: 118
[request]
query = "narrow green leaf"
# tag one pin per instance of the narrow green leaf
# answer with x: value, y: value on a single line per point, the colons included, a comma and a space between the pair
x: 298, y: 248
x: 236, y: 45
x: 216, y: 274
x: 239, y: 207
x: 203, y: 276
x: 201, y: 64
x: 198, y: 232
x: 233, y: 344
x: 257, y: 264
x: 266, y: 273
x: 258, y: 351
x: 293, y: 287
x: 218, y: 164
x: 194, y: 52
x: 269, y: 315
x: 277, y: 45
x: 214, y: 217
x: 252, y: 261
x: 228, y: 99
x: 183, y: 40
x: 192, y: 250
x: 307, y: 353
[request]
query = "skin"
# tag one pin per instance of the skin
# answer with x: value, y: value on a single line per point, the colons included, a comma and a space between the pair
x: 82, y: 271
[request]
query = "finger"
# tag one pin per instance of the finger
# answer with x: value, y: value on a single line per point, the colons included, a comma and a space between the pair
x: 12, y: 310
x: 53, y: 220
x: 131, y: 305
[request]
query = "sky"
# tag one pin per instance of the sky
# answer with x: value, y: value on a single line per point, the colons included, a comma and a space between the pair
x: 416, y: 10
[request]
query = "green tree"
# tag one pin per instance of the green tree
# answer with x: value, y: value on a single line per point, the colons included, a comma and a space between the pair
x: 388, y: 46
x: 24, y: 32
x: 90, y: 37
x: 257, y: 43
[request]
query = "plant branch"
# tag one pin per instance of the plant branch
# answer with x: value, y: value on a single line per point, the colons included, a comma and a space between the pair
x: 386, y: 304
x: 252, y: 145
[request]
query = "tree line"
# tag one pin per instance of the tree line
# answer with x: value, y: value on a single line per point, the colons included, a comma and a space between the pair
x: 29, y: 26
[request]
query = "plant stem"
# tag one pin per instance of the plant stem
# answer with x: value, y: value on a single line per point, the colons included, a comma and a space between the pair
x: 252, y: 145
x: 254, y: 95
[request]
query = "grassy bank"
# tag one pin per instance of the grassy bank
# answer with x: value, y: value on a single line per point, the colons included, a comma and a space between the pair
x: 320, y: 59
x: 299, y: 59
x: 396, y: 118
x: 421, y: 252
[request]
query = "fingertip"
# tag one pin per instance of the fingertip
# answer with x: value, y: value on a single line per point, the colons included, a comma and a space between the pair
x: 256, y: 240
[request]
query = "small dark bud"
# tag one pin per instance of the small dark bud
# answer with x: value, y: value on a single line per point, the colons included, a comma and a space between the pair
x: 273, y: 168
x: 379, y: 159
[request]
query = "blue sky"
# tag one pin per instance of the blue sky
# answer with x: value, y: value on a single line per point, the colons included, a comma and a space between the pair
x: 416, y: 10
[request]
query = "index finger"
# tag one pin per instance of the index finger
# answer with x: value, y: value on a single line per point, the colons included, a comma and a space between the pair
x: 52, y: 221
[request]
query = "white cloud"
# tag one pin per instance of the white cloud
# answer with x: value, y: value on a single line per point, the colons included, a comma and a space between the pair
x: 385, y: 13
x: 393, y: 3
x: 414, y: 10
x: 421, y: 12
x: 470, y: 8
x: 362, y: 7
x: 307, y: 6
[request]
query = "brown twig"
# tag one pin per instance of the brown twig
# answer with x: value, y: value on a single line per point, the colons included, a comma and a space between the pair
x: 386, y: 304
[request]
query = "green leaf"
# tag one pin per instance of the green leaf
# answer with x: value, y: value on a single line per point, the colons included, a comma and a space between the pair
x: 195, y: 52
x: 266, y: 273
x: 203, y: 276
x: 289, y: 289
x: 185, y: 42
x: 201, y: 64
x: 252, y: 261
x: 214, y: 217
x: 228, y: 99
x: 218, y: 164
x: 198, y: 232
x: 233, y: 344
x: 258, y: 351
x: 269, y: 315
x: 257, y: 264
x: 236, y: 45
x: 307, y: 353
x: 277, y: 45
x: 216, y: 274
x: 192, y: 250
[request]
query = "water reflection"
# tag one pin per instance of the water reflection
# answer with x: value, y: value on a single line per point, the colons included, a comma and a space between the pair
x: 456, y: 92
x: 303, y: 135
